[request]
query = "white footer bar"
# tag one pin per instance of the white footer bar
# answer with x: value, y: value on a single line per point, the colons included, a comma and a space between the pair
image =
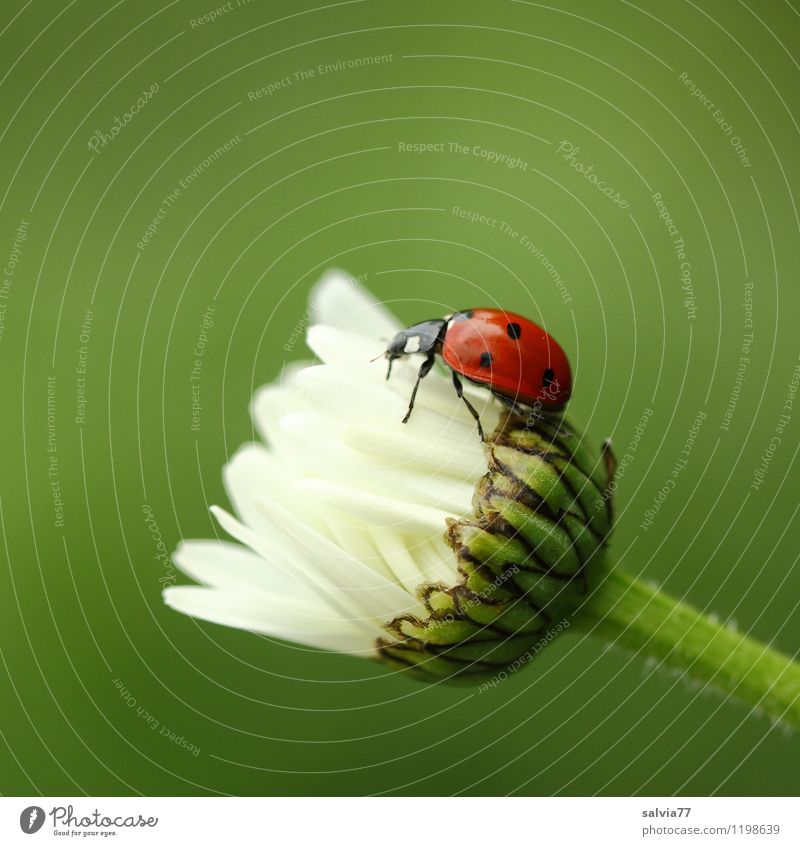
x: 401, y: 821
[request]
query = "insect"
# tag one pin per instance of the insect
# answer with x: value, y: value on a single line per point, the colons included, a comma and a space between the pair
x: 510, y: 355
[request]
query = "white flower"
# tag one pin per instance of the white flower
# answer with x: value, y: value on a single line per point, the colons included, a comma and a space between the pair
x: 341, y: 511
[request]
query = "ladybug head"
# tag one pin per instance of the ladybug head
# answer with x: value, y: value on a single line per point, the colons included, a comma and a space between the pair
x: 425, y: 337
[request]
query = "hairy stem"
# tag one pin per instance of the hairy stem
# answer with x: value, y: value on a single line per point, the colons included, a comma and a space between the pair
x: 631, y: 613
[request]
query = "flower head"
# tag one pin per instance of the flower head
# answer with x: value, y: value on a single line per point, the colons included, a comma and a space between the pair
x: 416, y: 543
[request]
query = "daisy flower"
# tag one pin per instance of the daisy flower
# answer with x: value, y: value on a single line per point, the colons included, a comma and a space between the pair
x: 340, y: 513
x: 422, y: 546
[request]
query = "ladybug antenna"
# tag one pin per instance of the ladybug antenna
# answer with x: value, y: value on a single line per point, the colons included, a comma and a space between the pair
x: 391, y: 361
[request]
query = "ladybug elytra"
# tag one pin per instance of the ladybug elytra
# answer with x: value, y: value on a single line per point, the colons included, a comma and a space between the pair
x: 512, y: 356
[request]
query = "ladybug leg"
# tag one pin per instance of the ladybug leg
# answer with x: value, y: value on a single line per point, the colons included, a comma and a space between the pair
x: 472, y: 410
x: 424, y: 370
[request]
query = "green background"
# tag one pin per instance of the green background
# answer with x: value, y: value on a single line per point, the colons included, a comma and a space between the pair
x: 318, y: 179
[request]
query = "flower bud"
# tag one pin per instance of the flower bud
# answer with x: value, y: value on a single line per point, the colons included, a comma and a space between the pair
x: 542, y: 514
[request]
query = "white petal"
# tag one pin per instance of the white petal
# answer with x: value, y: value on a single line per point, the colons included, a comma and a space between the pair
x: 410, y: 567
x: 254, y: 477
x: 253, y: 474
x: 439, y: 455
x: 270, y: 615
x: 290, y: 558
x: 321, y: 453
x: 436, y: 559
x: 364, y: 592
x: 271, y: 403
x: 339, y: 300
x: 359, y: 545
x: 362, y: 583
x: 338, y: 393
x: 334, y: 345
x: 382, y: 512
x: 230, y: 565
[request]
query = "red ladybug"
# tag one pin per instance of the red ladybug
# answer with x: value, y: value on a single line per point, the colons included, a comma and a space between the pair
x: 509, y: 354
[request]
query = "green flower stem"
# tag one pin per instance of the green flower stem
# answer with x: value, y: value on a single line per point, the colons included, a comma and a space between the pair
x: 631, y: 613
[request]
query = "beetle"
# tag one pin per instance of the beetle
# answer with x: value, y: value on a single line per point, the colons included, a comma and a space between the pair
x: 512, y: 356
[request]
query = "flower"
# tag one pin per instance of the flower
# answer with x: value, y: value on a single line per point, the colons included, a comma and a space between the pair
x: 363, y: 535
x: 427, y: 549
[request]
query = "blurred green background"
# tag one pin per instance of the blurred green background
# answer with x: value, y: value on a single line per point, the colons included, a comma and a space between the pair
x: 117, y: 242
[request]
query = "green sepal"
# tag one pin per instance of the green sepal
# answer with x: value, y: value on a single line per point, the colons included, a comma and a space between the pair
x: 536, y: 473
x: 575, y: 446
x: 498, y: 653
x: 486, y: 584
x: 547, y: 593
x: 494, y: 550
x: 439, y: 632
x: 424, y: 664
x: 515, y: 617
x: 590, y: 503
x: 542, y: 514
x: 548, y: 541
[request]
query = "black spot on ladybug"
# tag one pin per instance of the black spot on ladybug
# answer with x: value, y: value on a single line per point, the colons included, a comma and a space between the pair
x: 514, y: 330
x: 486, y: 359
x: 548, y: 377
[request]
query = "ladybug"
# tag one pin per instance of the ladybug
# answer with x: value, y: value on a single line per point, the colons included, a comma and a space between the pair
x: 512, y: 356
